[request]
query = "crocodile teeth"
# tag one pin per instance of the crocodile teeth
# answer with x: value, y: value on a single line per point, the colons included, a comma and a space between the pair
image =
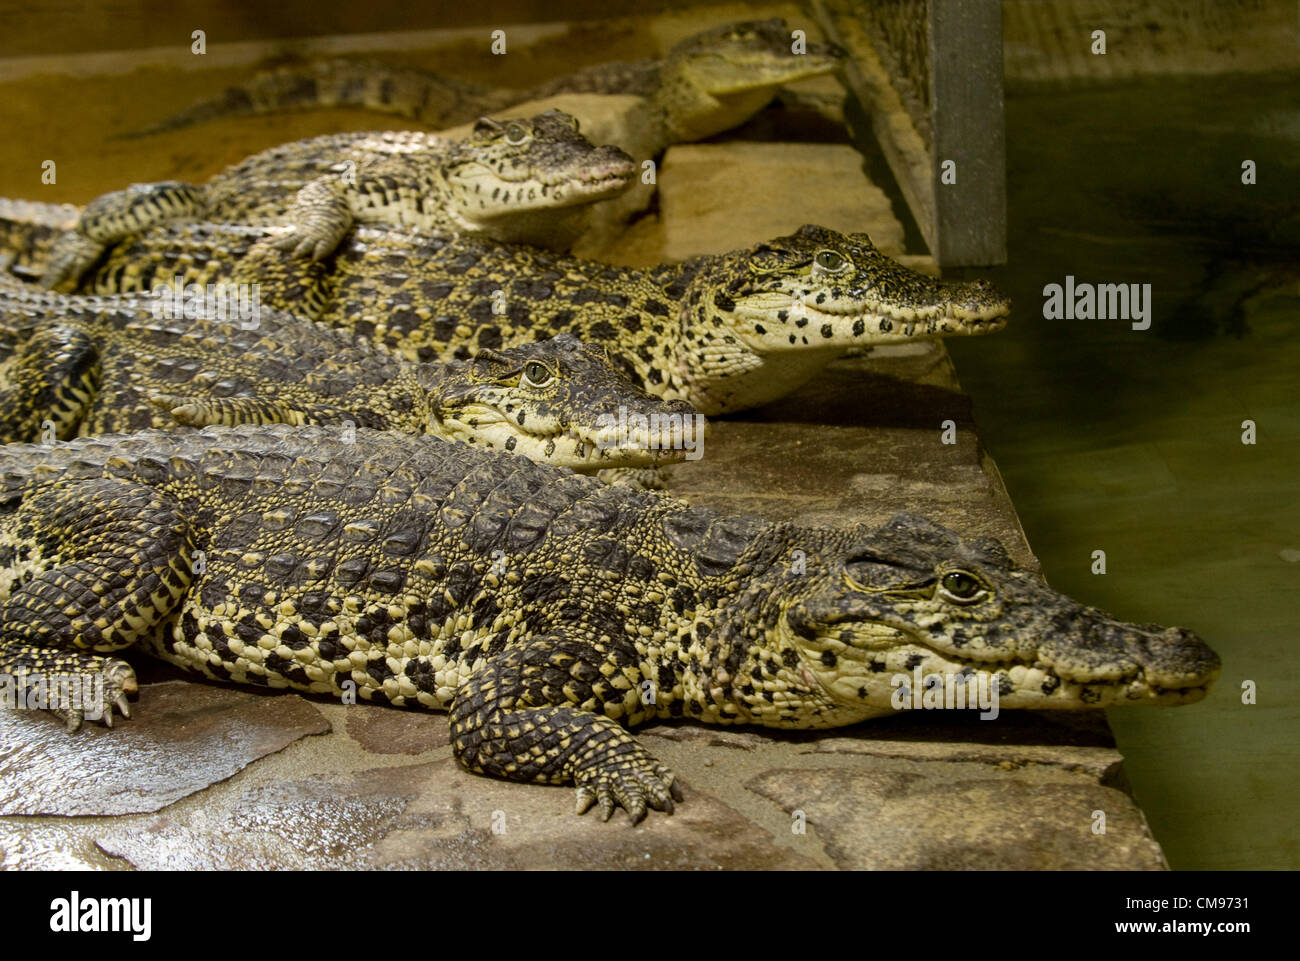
x: 904, y: 315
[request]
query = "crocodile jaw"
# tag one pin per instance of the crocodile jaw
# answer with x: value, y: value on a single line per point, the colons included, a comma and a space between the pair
x: 1021, y: 685
x: 864, y: 678
x: 1040, y: 649
x: 485, y: 197
x: 764, y: 357
x: 534, y: 213
x: 820, y: 288
x: 771, y: 322
x: 581, y: 448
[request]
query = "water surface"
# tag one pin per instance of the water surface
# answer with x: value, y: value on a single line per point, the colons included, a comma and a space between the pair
x: 1131, y: 441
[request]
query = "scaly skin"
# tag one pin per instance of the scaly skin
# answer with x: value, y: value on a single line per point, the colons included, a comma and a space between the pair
x: 513, y: 182
x: 710, y: 82
x: 77, y: 366
x: 545, y: 611
x: 723, y: 332
x: 28, y: 232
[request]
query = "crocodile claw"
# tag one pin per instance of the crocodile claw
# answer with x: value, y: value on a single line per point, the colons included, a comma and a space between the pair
x: 119, y: 680
x: 633, y: 783
x: 305, y: 246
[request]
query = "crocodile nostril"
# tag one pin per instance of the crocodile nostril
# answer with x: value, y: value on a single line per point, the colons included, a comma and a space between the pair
x: 615, y: 161
x: 1176, y: 657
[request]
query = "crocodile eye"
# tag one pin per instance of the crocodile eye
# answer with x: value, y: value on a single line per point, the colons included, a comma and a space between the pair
x: 830, y: 261
x: 960, y: 586
x: 516, y: 133
x: 537, y: 375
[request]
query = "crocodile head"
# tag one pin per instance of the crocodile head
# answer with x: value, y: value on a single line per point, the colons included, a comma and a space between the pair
x: 877, y: 603
x: 561, y: 402
x: 512, y: 172
x: 719, y: 78
x: 820, y: 288
x: 762, y: 320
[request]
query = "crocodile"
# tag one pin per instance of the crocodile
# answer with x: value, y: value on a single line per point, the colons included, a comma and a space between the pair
x: 513, y: 182
x: 75, y: 366
x: 28, y: 232
x: 724, y: 332
x: 707, y: 83
x: 546, y: 612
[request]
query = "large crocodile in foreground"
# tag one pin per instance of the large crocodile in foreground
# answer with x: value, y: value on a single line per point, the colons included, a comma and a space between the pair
x: 512, y: 182
x: 724, y: 332
x: 546, y: 612
x: 74, y: 366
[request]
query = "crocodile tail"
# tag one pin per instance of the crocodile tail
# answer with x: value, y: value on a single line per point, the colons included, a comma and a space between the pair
x: 400, y: 91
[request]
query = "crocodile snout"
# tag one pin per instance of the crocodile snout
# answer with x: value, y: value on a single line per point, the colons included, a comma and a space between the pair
x: 1089, y: 646
x: 604, y: 170
x: 1175, y: 658
x: 610, y: 161
x: 977, y: 300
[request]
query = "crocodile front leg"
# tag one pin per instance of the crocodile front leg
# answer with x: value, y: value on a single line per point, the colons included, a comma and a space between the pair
x: 115, y: 215
x: 530, y: 714
x: 230, y: 411
x: 87, y: 567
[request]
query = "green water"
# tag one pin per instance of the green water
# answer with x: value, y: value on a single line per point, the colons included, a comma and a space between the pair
x: 1131, y: 441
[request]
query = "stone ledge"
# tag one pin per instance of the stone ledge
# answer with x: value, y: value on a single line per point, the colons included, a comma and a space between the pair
x: 701, y: 185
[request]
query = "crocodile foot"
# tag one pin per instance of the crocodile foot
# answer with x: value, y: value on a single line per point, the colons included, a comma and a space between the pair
x: 90, y: 690
x: 632, y: 781
x: 305, y: 244
x: 118, y: 679
x: 316, y: 222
